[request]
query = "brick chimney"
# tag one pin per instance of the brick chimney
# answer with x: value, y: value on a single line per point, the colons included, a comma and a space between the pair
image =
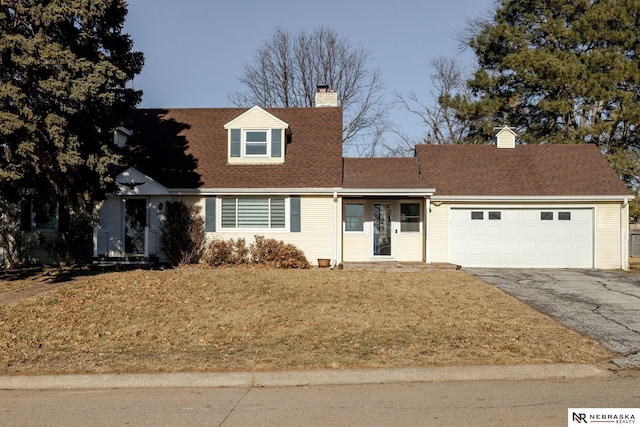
x: 326, y: 97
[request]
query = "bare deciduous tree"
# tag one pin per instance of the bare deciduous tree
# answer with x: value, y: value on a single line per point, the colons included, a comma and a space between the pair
x: 448, y: 82
x: 288, y: 68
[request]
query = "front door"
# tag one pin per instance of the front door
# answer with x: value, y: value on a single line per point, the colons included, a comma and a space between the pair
x: 382, y: 229
x: 135, y: 221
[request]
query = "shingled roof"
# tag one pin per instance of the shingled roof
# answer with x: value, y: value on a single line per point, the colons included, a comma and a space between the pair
x: 187, y: 148
x: 526, y: 170
x: 383, y: 173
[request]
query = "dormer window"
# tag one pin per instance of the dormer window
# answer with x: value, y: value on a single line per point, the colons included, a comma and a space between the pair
x: 256, y: 142
x: 256, y: 137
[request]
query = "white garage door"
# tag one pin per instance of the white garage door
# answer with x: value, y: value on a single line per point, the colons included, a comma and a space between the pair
x: 555, y: 238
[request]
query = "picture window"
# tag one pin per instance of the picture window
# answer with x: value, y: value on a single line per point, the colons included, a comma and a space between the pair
x: 253, y: 212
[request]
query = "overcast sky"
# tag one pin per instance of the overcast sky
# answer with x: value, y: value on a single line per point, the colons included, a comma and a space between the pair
x: 195, y: 49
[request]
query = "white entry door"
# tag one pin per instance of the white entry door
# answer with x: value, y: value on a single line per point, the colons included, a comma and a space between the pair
x: 538, y: 238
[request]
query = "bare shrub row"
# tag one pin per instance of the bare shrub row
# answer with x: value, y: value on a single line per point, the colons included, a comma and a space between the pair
x: 268, y: 252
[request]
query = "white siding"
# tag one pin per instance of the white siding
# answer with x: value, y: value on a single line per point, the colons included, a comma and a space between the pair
x: 607, y: 245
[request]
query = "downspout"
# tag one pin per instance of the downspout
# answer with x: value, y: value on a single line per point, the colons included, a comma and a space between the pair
x: 334, y: 260
x: 427, y: 231
x: 624, y: 236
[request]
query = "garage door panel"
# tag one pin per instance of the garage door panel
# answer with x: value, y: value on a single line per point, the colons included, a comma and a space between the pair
x: 521, y: 238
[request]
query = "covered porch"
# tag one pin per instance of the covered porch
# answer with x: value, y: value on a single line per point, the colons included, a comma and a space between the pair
x: 129, y: 223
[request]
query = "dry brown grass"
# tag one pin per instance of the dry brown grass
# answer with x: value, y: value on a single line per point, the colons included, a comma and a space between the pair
x: 262, y: 319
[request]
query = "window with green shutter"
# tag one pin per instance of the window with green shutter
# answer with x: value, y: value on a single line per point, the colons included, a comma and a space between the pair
x: 253, y: 213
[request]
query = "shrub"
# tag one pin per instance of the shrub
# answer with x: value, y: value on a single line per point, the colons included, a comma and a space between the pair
x: 182, y: 234
x: 226, y: 252
x: 75, y: 246
x: 269, y: 252
x: 277, y: 254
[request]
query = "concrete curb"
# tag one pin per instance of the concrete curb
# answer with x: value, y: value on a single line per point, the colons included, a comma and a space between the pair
x: 303, y: 378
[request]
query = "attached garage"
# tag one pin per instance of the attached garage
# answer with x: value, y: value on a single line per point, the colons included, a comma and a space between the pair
x: 515, y: 237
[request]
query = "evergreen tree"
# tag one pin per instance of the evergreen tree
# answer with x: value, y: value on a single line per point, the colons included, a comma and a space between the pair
x: 64, y: 69
x: 559, y: 71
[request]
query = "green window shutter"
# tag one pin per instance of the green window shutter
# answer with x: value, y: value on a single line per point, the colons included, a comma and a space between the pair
x: 276, y: 142
x: 295, y: 214
x: 235, y: 142
x: 210, y: 214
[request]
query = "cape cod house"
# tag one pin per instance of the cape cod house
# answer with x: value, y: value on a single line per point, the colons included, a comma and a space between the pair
x: 280, y: 173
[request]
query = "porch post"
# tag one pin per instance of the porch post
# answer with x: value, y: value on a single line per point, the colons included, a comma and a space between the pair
x: 95, y: 241
x: 146, y: 242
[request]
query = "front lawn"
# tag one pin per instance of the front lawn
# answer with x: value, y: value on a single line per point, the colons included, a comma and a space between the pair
x: 231, y: 319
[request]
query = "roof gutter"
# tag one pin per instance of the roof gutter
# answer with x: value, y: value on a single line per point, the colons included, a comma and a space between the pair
x: 359, y: 192
x: 613, y: 198
x: 388, y: 192
x: 252, y: 191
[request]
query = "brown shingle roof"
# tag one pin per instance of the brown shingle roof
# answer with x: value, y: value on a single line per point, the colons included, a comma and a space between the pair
x: 187, y: 148
x: 526, y: 170
x: 383, y: 173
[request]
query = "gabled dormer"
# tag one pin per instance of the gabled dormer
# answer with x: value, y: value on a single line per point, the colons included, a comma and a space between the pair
x: 256, y: 137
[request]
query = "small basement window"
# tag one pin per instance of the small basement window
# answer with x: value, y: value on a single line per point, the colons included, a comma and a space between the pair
x: 564, y: 216
x: 495, y: 215
x: 477, y: 215
x: 546, y: 216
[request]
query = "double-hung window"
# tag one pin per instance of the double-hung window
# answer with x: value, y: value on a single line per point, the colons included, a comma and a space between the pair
x: 256, y: 143
x: 409, y: 217
x: 354, y: 217
x: 253, y: 213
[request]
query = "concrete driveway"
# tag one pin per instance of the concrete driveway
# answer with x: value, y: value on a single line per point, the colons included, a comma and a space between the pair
x: 604, y: 305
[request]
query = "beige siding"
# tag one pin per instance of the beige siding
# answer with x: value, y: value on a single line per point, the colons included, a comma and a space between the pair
x: 408, y: 247
x: 439, y: 233
x: 256, y: 119
x: 357, y: 247
x: 316, y: 238
x: 607, y: 235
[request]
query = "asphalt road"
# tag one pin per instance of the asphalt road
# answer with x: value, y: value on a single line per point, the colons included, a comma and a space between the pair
x: 457, y: 403
x: 604, y: 305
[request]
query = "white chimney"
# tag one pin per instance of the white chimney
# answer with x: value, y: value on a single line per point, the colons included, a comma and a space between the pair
x: 326, y: 97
